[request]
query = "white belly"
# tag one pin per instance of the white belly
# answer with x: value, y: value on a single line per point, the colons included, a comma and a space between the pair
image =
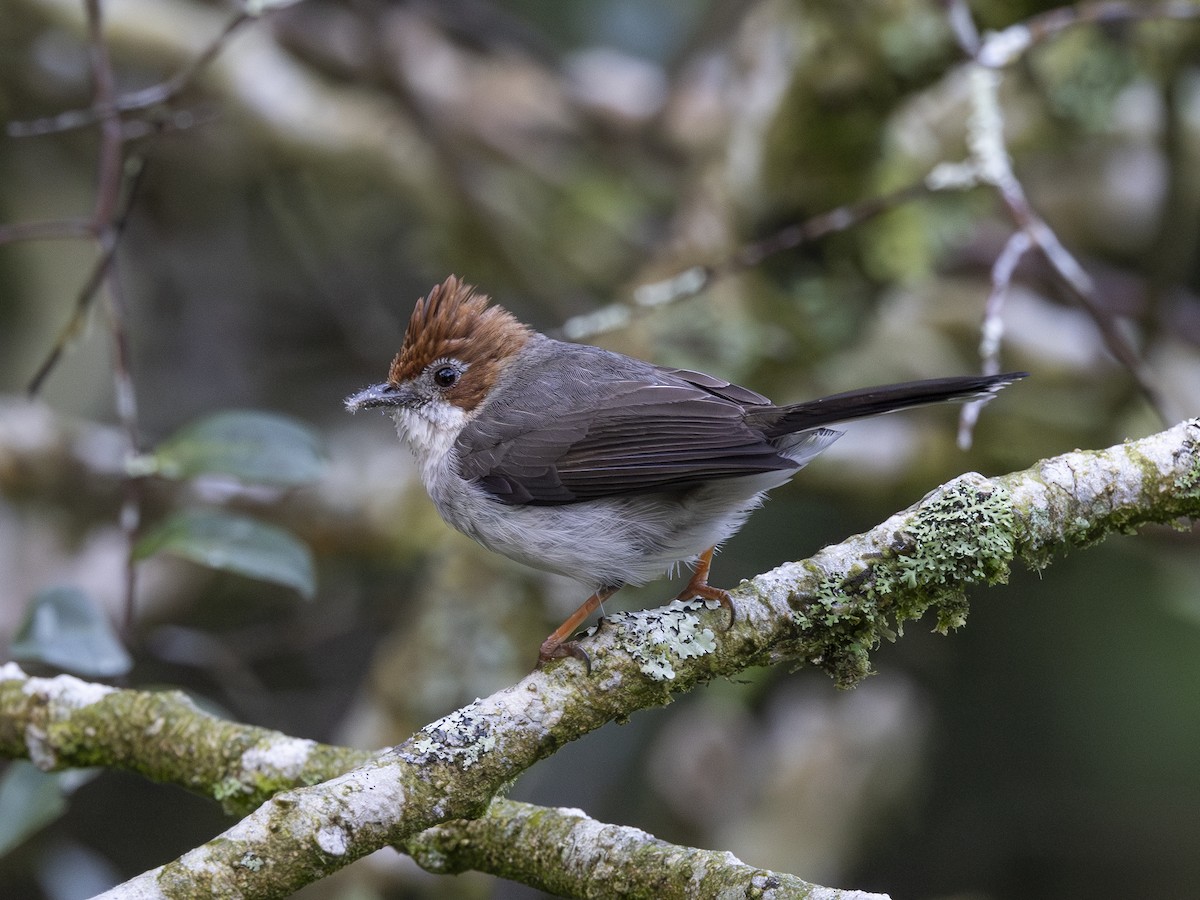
x: 614, y: 541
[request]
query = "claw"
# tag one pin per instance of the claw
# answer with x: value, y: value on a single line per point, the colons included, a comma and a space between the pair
x: 698, y: 586
x: 550, y: 651
x: 556, y: 646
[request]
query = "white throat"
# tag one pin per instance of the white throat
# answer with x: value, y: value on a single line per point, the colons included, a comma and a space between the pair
x: 430, y: 432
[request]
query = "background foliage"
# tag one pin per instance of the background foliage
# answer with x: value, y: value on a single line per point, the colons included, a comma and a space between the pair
x: 336, y: 159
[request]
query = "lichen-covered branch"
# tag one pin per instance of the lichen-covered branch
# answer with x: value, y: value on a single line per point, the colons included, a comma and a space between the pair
x: 829, y: 611
x: 63, y: 722
x: 569, y: 854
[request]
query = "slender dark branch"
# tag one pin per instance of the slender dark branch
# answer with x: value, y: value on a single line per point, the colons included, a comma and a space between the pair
x: 1075, y: 281
x: 1043, y: 26
x: 173, y: 86
x: 74, y: 325
x: 155, y: 95
x: 698, y: 278
x: 60, y: 229
x: 111, y: 138
x: 1005, y: 47
x: 819, y: 226
x: 108, y: 230
x: 91, y: 286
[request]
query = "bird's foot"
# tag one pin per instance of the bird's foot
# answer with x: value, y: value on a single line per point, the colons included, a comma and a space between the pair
x: 553, y: 648
x: 706, y: 591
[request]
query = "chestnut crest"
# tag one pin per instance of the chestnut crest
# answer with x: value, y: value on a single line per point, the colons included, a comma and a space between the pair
x: 457, y: 344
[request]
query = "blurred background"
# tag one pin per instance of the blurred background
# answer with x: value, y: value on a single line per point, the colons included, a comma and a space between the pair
x: 339, y: 157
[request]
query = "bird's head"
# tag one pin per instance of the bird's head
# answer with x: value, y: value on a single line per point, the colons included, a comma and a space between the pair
x: 455, y: 348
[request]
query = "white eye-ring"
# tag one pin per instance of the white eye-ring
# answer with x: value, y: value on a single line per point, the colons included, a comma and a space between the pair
x: 447, y: 375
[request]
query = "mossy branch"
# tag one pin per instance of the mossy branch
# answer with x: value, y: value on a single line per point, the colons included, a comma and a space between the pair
x: 829, y: 611
x: 63, y: 722
x: 567, y: 853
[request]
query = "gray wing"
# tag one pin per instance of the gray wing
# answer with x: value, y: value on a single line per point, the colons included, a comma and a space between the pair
x: 604, y: 434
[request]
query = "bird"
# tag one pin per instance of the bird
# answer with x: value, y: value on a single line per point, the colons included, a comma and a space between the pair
x: 595, y: 465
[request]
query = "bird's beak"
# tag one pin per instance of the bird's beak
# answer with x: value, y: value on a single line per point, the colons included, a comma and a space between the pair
x: 378, y: 396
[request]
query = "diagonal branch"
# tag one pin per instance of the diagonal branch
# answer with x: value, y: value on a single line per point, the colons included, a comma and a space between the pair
x: 63, y: 722
x: 828, y: 611
x: 514, y: 841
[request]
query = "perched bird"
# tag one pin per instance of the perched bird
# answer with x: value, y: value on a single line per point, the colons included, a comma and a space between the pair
x: 595, y: 465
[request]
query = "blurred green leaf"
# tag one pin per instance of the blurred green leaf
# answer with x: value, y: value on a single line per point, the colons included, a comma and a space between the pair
x: 254, y: 447
x: 30, y: 799
x: 64, y: 628
x: 234, y: 543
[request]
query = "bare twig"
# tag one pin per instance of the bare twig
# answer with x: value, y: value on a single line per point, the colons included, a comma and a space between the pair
x: 104, y: 218
x: 1005, y: 47
x: 155, y: 95
x: 990, y: 164
x: 992, y: 330
x: 61, y: 229
x: 105, y: 225
x: 695, y: 279
x: 91, y: 286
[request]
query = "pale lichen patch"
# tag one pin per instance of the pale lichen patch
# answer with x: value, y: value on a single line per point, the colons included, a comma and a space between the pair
x: 527, y: 703
x: 333, y: 840
x: 655, y: 637
x: 461, y: 738
x: 282, y: 756
x: 67, y: 691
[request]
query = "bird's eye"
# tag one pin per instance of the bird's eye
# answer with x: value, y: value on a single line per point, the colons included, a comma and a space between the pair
x: 445, y: 376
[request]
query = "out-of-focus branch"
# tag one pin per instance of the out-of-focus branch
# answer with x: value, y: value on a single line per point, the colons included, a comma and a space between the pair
x: 599, y: 860
x: 992, y: 330
x: 828, y: 611
x: 1007, y: 46
x: 133, y: 101
x: 63, y: 722
x: 105, y: 226
x: 692, y: 281
x: 990, y: 164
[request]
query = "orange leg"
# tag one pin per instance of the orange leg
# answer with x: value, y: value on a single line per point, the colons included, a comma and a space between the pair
x: 557, y: 646
x: 699, y: 586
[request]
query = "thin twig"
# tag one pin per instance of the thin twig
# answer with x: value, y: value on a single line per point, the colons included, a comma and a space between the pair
x: 698, y: 278
x: 104, y: 219
x: 991, y: 164
x: 74, y: 324
x: 1005, y: 47
x: 155, y: 95
x: 992, y: 329
x: 59, y: 229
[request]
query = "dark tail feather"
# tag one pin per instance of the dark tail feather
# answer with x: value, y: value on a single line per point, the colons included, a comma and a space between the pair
x: 873, y: 401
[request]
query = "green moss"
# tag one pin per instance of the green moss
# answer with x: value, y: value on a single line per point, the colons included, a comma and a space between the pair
x: 961, y: 536
x: 229, y: 788
x: 958, y: 536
